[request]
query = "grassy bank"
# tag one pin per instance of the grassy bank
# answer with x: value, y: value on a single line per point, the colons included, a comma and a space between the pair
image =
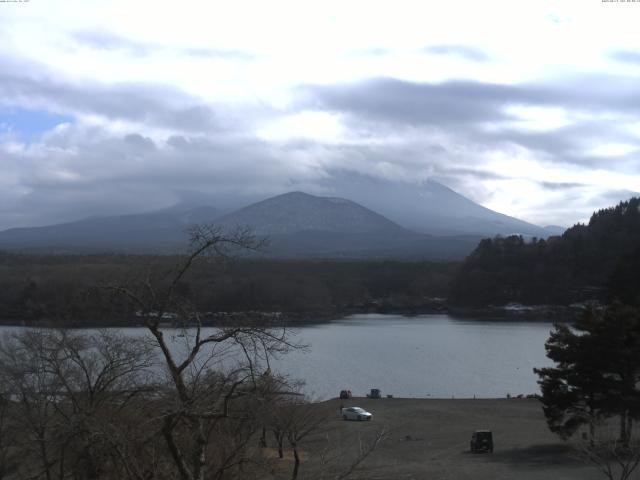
x: 429, y: 439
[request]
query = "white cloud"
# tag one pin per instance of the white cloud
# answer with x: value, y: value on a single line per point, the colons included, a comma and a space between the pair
x: 612, y: 149
x: 225, y: 77
x: 321, y: 126
x: 537, y: 118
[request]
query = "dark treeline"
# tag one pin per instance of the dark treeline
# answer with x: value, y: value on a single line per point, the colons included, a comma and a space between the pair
x: 67, y: 289
x: 598, y: 261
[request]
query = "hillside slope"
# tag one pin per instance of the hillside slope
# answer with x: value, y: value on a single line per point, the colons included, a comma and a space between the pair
x: 154, y: 232
x: 598, y: 261
x: 430, y: 207
x: 297, y: 225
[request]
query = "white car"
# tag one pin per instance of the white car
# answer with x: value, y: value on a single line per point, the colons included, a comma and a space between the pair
x: 355, y: 413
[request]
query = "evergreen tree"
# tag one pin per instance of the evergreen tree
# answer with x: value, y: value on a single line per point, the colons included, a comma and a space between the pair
x: 571, y: 392
x: 596, y: 374
x: 598, y: 261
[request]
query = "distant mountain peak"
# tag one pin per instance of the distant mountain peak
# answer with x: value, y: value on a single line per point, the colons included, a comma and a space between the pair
x: 300, y: 224
x: 298, y: 212
x: 427, y: 207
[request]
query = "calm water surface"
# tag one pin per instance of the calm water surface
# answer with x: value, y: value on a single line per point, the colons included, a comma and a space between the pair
x: 426, y: 355
x: 419, y: 356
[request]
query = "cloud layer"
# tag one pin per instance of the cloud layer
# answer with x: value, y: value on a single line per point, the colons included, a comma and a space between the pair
x: 145, y: 115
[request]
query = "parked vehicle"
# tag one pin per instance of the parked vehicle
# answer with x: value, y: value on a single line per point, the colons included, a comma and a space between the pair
x: 375, y: 393
x: 345, y: 393
x: 355, y: 413
x: 482, y: 441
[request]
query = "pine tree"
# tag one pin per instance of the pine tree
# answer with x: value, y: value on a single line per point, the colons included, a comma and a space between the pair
x: 596, y: 374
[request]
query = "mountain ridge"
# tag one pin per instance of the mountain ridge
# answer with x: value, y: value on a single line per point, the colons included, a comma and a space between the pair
x: 298, y: 225
x: 428, y: 207
x: 298, y: 211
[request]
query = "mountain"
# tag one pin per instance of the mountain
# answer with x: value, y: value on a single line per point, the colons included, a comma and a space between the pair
x: 302, y: 225
x: 382, y: 219
x: 298, y: 212
x: 159, y: 231
x: 298, y: 225
x: 429, y: 207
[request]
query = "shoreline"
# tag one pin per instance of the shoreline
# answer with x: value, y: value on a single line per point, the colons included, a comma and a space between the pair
x: 510, y: 312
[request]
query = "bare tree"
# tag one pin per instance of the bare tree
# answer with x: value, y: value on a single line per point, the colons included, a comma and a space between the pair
x: 339, y: 464
x: 211, y: 372
x: 9, y: 458
x: 293, y: 419
x: 616, y: 459
x: 68, y: 396
x: 183, y: 401
x: 303, y: 419
x: 98, y: 376
x: 308, y: 426
x: 32, y: 391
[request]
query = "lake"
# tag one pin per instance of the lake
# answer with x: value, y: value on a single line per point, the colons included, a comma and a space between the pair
x: 420, y: 356
x: 434, y: 356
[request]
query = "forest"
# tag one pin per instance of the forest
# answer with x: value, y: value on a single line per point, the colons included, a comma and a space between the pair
x: 596, y: 262
x: 71, y: 289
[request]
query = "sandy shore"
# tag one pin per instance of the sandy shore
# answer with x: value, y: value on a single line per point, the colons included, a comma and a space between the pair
x: 429, y: 439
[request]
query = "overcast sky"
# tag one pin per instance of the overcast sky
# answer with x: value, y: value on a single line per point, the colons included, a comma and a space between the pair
x: 530, y: 108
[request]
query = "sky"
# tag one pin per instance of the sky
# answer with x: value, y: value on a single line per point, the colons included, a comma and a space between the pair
x: 530, y: 108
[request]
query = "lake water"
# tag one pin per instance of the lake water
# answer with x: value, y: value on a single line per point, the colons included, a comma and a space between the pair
x: 433, y: 356
x: 420, y: 356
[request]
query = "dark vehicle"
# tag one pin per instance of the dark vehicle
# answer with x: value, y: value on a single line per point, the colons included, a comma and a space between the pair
x: 345, y: 393
x: 482, y: 441
x: 375, y: 393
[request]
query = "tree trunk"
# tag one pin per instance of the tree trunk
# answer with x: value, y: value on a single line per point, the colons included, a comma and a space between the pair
x: 174, y: 450
x: 624, y: 425
x: 43, y: 454
x: 263, y: 437
x: 199, y: 451
x: 279, y: 440
x: 592, y: 427
x: 296, y: 464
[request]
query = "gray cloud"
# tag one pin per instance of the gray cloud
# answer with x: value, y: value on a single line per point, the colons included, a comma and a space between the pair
x: 611, y: 197
x: 64, y: 180
x: 453, y: 102
x: 475, y: 173
x: 218, y: 53
x: 106, y: 41
x: 83, y: 170
x: 469, y: 101
x: 437, y: 130
x: 151, y: 104
x: 463, y: 51
x: 102, y: 40
x: 626, y: 56
x: 561, y: 185
x: 386, y: 99
x: 466, y: 109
